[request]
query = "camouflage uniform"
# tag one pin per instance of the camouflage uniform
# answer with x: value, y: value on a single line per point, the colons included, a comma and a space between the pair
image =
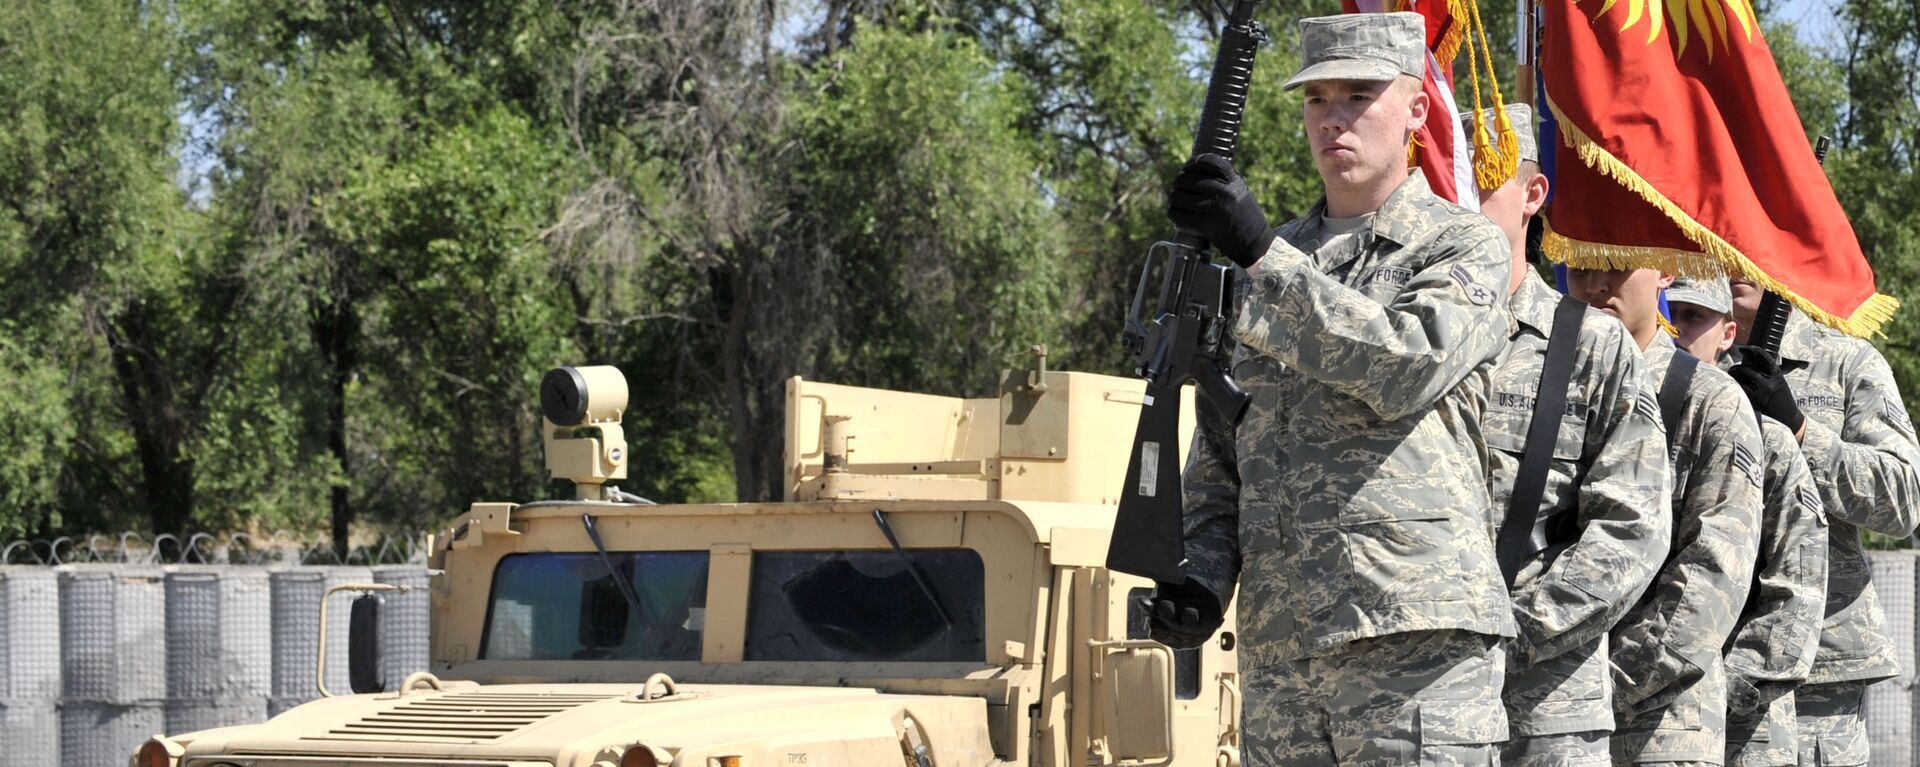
x: 1859, y: 445
x: 1831, y: 723
x: 1669, y: 681
x: 1772, y: 648
x: 1609, y: 480
x: 1414, y: 698
x: 1351, y: 503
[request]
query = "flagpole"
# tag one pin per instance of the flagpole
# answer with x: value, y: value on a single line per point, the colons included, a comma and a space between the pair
x: 1523, y: 33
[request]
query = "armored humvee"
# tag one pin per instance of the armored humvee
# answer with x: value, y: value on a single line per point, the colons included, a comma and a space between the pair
x: 930, y: 592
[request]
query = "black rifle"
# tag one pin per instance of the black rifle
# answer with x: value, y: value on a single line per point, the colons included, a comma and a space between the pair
x: 1183, y: 339
x: 1770, y: 320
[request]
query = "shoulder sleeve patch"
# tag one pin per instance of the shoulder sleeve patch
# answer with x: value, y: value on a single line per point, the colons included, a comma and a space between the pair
x: 1646, y: 406
x: 1897, y: 415
x: 1476, y: 292
x: 1809, y: 499
x: 1743, y: 460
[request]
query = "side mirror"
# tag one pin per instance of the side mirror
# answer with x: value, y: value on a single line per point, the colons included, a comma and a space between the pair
x: 1136, y: 701
x: 363, y: 645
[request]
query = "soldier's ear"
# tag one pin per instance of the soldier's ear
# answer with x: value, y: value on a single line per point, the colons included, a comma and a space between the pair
x: 1535, y: 190
x: 1728, y: 332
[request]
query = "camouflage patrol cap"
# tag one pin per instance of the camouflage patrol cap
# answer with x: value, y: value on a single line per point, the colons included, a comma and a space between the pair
x: 1710, y: 294
x: 1521, y: 116
x: 1361, y: 46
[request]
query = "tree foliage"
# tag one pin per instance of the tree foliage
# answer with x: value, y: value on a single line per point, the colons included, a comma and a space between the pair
x: 299, y: 264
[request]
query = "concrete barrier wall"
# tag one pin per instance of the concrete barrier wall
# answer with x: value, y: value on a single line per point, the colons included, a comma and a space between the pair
x: 113, y: 651
x: 29, y: 667
x: 219, y: 647
x: 95, y: 659
x: 1889, y: 703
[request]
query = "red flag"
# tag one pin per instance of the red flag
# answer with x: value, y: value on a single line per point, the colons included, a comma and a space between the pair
x: 1441, y: 151
x: 1678, y: 139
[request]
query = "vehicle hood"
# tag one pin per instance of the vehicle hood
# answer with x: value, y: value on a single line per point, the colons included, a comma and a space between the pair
x: 578, y: 725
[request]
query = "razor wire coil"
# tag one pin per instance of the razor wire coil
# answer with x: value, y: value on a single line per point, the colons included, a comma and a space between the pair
x: 205, y: 548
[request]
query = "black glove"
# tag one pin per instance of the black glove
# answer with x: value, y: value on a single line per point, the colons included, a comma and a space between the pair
x: 1182, y: 615
x: 1211, y: 199
x: 1765, y: 382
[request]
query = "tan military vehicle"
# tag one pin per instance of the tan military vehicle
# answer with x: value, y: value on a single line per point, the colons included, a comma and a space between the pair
x: 931, y: 592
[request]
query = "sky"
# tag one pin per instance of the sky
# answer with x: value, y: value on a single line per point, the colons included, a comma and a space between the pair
x: 1814, y: 18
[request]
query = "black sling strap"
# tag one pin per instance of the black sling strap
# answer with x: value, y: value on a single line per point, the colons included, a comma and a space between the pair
x: 1520, y: 535
x: 1673, y: 392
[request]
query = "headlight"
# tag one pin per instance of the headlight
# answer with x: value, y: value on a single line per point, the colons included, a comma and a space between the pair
x: 158, y: 752
x: 639, y: 756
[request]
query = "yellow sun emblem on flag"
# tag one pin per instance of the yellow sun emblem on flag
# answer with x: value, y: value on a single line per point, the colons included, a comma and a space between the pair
x: 1709, y: 17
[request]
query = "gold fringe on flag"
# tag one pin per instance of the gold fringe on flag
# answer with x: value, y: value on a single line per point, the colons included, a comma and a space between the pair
x: 1449, y: 49
x: 1865, y: 322
x: 1580, y: 254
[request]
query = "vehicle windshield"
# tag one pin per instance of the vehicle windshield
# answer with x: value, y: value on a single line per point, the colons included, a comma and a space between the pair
x: 914, y: 605
x: 565, y: 606
x: 867, y: 606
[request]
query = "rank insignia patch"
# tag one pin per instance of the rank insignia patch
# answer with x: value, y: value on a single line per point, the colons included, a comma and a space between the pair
x: 1744, y: 461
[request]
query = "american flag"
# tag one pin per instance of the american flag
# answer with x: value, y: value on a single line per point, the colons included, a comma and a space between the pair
x: 1443, y: 152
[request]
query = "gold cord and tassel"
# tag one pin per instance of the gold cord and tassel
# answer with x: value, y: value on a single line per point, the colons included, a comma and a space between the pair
x: 1496, y: 157
x: 1668, y: 327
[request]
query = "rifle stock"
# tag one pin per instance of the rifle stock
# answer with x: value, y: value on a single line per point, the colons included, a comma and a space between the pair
x: 1183, y: 339
x: 1770, y: 324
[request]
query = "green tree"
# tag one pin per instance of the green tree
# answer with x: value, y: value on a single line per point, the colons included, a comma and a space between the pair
x: 912, y: 176
x: 461, y: 320
x: 381, y: 187
x: 93, y: 258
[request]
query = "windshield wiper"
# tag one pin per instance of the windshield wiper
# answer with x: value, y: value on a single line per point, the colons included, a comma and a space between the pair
x: 626, y: 589
x: 880, y: 520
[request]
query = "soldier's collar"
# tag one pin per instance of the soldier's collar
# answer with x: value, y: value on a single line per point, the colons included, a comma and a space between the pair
x: 1395, y: 222
x: 1533, y: 304
x: 1659, y: 350
x: 1390, y: 222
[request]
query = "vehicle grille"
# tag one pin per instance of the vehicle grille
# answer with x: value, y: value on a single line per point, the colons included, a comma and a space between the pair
x: 458, y: 717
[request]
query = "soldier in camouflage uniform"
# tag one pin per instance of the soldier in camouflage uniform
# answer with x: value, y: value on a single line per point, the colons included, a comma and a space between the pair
x: 1350, y: 505
x: 1772, y: 647
x: 1859, y: 445
x: 1669, y: 679
x: 1606, y: 498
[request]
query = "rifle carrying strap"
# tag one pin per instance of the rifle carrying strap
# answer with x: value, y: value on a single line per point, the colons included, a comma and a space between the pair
x: 1673, y: 392
x: 1521, y: 534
